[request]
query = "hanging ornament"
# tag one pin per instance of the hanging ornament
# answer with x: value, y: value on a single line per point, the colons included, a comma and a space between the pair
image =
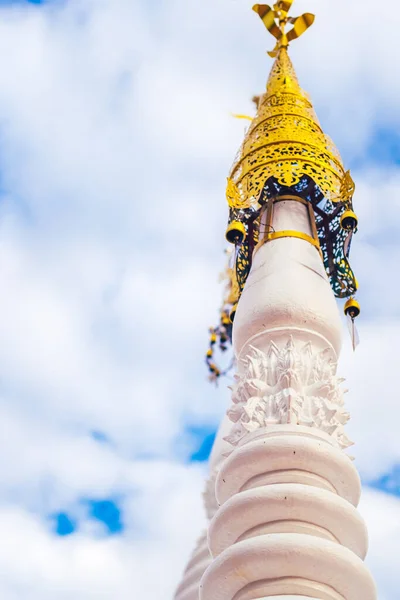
x: 221, y: 336
x: 352, y: 310
x: 349, y: 220
x: 235, y: 233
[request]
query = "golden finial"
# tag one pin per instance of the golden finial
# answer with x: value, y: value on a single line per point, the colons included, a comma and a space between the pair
x: 277, y: 18
x: 285, y: 151
x: 285, y: 139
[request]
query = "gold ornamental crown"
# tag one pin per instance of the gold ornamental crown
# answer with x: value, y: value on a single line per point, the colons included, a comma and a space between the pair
x: 285, y: 140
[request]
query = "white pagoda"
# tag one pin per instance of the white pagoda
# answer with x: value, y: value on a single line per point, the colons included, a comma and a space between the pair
x: 283, y: 494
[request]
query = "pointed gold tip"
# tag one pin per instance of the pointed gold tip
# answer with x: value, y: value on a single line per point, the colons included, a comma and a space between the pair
x: 276, y: 20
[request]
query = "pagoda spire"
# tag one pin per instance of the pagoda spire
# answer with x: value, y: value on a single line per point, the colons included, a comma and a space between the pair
x: 286, y: 524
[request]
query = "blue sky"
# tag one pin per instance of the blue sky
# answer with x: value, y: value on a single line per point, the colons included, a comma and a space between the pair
x: 115, y: 142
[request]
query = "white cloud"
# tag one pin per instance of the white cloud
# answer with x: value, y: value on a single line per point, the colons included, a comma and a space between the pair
x: 116, y: 138
x: 381, y: 514
x: 36, y: 564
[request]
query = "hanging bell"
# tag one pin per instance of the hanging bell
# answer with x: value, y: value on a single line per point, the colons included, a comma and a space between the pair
x: 236, y: 233
x: 349, y: 220
x: 352, y: 308
x: 233, y: 313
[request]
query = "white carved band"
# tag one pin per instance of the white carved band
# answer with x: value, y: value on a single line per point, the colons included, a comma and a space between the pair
x: 191, y: 593
x: 292, y: 508
x: 300, y: 584
x: 210, y: 502
x: 288, y: 476
x: 297, y: 454
x: 291, y: 385
x: 199, y: 556
x: 271, y: 558
x: 193, y: 575
x: 288, y: 598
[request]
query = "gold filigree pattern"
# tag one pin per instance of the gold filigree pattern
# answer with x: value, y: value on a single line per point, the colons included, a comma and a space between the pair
x: 285, y: 141
x: 286, y: 150
x: 347, y: 189
x: 233, y: 195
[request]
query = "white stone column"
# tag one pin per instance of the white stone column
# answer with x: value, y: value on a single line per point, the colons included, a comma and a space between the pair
x: 287, y: 527
x: 201, y: 558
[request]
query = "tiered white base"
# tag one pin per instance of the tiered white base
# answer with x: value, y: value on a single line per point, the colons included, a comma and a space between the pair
x: 288, y: 526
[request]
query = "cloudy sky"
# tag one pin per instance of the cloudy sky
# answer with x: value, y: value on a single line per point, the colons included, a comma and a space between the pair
x: 115, y: 142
